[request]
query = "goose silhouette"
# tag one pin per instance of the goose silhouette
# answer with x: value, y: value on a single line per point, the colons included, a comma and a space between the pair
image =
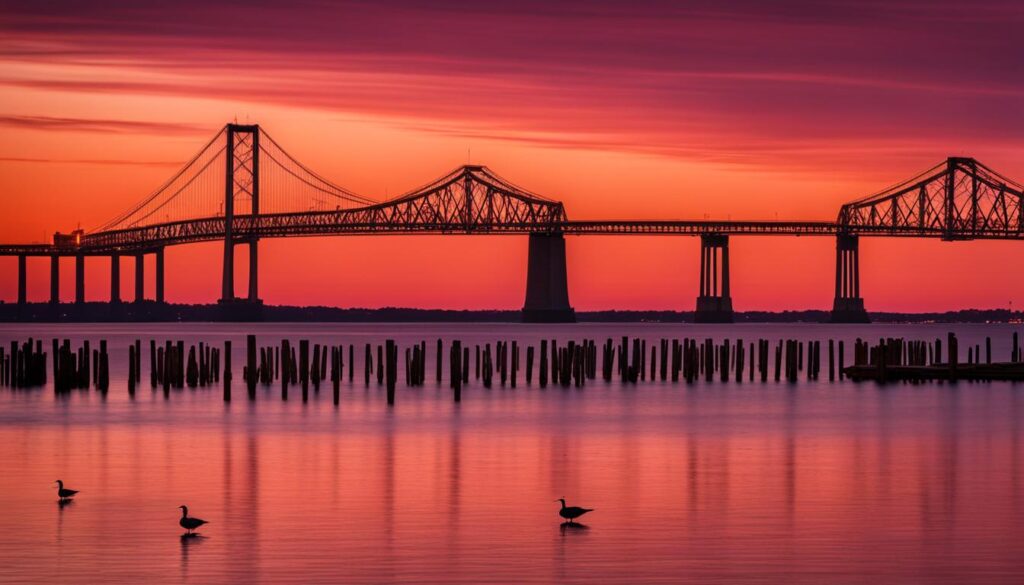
x: 63, y: 492
x: 571, y: 513
x: 189, y: 524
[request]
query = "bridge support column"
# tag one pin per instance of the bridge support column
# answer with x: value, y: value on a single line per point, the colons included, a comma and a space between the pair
x: 254, y: 272
x: 54, y: 279
x: 22, y: 279
x: 547, y: 288
x: 140, y: 277
x: 115, y: 278
x: 79, y: 279
x: 714, y: 304
x: 160, y: 275
x: 848, y: 306
x: 227, y: 291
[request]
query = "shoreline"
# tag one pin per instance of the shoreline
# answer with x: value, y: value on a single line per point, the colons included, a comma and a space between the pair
x: 150, y: 311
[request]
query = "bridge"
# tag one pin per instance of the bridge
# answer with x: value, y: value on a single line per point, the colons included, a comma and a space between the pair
x: 242, y: 187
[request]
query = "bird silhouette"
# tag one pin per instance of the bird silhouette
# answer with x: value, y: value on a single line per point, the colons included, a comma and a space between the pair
x: 570, y: 513
x: 64, y: 492
x: 187, y: 523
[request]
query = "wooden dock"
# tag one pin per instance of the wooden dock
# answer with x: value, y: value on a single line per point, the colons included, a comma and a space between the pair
x: 1004, y: 371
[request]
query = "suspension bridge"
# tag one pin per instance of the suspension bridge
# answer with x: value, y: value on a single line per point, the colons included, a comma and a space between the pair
x: 242, y: 187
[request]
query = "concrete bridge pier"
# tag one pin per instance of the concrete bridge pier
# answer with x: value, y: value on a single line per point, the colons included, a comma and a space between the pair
x: 79, y: 279
x: 547, y: 288
x: 848, y: 306
x: 54, y: 279
x: 115, y: 278
x: 228, y: 277
x: 227, y: 289
x: 714, y: 305
x: 249, y: 307
x: 22, y: 279
x: 140, y: 277
x: 159, y: 274
x: 254, y: 292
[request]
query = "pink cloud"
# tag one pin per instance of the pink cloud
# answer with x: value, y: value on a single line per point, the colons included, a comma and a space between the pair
x: 794, y: 84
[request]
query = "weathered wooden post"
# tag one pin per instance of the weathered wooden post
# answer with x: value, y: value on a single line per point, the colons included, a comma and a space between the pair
x: 304, y: 368
x: 831, y: 360
x: 440, y: 353
x: 455, y: 367
x: 542, y: 372
x: 336, y: 365
x: 392, y: 369
x: 954, y: 355
x: 529, y: 364
x: 250, y: 374
x: 381, y: 364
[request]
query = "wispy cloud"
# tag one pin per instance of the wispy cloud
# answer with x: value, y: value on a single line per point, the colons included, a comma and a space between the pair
x: 141, y: 163
x: 101, y: 126
x: 759, y: 83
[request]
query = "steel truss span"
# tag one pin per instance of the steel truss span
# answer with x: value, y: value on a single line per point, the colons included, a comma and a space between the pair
x: 960, y: 199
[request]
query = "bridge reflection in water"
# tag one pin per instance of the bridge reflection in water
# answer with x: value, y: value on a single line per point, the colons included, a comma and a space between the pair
x: 243, y: 187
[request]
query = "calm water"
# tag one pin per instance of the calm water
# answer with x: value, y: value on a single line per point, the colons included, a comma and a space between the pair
x: 710, y: 483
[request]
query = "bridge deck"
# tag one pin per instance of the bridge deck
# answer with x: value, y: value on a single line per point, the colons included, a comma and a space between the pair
x: 314, y: 224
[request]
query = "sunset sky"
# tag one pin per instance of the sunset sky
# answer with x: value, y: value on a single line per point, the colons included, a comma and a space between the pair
x: 655, y: 110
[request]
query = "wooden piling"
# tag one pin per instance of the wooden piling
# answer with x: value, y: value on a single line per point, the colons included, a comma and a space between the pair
x: 304, y: 368
x: 543, y: 371
x: 529, y: 365
x: 440, y: 352
x: 391, y: 369
x: 367, y: 365
x: 455, y: 370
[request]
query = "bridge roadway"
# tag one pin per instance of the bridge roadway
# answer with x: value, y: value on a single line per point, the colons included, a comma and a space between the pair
x: 142, y: 239
x: 547, y: 296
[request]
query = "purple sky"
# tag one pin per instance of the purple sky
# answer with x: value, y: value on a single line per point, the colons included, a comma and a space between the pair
x: 782, y: 83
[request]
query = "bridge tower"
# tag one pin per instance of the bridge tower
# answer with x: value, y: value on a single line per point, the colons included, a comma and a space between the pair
x: 547, y: 287
x: 714, y: 304
x: 848, y: 306
x: 242, y: 181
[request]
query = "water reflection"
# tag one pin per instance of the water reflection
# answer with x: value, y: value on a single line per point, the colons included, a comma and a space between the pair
x: 240, y: 505
x: 729, y: 483
x: 61, y: 505
x: 188, y: 541
x: 1015, y: 452
x: 789, y: 458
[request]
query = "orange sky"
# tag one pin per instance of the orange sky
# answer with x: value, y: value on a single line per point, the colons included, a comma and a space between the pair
x: 693, y: 114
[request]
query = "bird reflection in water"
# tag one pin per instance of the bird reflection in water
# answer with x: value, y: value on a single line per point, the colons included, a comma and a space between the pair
x: 572, y: 527
x: 188, y: 540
